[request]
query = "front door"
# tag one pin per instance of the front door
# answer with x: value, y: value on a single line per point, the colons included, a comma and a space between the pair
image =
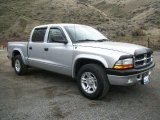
x: 58, y: 55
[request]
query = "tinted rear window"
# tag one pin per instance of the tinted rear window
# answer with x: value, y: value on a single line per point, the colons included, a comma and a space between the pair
x: 38, y: 34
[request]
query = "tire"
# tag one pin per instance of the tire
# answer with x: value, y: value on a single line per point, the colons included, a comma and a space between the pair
x: 97, y: 85
x: 19, y: 67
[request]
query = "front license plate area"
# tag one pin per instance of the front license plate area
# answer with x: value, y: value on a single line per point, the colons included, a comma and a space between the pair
x: 146, y: 79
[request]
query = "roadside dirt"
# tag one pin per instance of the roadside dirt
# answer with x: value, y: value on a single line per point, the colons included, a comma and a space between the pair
x: 42, y: 95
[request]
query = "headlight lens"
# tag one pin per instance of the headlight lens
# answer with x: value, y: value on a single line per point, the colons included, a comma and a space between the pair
x: 124, y: 64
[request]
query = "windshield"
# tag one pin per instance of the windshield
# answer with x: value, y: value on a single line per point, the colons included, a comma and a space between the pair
x: 80, y: 33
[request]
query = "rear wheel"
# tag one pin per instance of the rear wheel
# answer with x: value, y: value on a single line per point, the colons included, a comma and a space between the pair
x: 19, y: 67
x: 93, y: 82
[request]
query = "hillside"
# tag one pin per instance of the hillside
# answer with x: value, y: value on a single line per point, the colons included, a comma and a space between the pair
x: 136, y: 21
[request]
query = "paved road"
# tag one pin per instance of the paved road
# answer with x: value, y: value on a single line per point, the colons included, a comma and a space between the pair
x: 43, y: 95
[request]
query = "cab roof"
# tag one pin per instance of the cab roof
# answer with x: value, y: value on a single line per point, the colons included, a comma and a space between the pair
x: 58, y: 24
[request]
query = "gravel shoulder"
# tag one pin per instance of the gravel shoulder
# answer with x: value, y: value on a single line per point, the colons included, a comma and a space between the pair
x: 42, y: 95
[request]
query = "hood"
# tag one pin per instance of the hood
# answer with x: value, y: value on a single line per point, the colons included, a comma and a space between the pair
x: 117, y: 46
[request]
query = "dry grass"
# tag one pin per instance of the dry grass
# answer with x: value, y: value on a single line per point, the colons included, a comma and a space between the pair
x: 123, y: 19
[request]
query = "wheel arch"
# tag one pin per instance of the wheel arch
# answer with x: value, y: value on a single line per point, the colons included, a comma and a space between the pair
x: 82, y: 60
x: 15, y: 52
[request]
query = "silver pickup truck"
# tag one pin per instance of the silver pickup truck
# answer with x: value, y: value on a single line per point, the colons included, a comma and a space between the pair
x: 84, y: 54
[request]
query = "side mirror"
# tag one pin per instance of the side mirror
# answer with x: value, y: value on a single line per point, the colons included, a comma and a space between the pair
x: 62, y: 40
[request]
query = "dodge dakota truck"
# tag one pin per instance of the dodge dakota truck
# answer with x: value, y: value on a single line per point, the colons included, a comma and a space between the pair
x: 85, y: 54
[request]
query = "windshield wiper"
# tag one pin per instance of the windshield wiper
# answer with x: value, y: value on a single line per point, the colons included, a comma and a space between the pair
x: 102, y: 40
x: 84, y: 40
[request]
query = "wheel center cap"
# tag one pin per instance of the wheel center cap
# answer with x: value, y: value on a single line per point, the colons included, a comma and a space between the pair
x: 90, y: 82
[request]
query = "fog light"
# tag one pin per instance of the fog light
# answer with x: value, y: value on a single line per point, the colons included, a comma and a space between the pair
x: 130, y: 81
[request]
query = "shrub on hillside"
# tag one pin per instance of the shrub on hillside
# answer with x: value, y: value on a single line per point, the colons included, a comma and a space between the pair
x: 120, y: 33
x: 138, y: 32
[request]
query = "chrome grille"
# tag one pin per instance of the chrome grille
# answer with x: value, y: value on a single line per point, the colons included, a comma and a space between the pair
x: 143, y: 59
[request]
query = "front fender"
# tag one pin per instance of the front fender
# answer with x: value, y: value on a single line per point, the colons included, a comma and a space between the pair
x: 87, y: 56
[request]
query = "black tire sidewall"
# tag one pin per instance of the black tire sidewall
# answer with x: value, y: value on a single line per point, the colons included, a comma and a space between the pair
x: 22, y: 66
x: 98, y: 73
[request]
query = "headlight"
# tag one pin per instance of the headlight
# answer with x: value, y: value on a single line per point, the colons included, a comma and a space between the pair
x: 124, y: 64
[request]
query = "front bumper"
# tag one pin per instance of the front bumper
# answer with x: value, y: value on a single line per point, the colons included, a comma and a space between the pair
x: 128, y: 77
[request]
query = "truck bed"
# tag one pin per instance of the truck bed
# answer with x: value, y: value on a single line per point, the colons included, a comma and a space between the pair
x: 21, y: 46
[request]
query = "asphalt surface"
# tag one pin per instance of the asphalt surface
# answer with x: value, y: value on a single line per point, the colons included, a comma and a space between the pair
x: 42, y: 95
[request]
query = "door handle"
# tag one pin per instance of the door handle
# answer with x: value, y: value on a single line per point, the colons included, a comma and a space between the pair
x: 30, y: 48
x: 45, y: 49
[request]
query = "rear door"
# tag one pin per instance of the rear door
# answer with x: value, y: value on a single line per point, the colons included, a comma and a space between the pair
x: 36, y: 56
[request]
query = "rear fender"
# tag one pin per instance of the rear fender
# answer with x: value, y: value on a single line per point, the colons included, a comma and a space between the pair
x: 21, y: 53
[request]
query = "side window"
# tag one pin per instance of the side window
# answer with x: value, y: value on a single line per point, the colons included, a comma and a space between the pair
x: 55, y: 35
x: 38, y: 34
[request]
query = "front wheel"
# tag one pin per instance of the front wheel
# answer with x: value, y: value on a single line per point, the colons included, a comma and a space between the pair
x: 92, y: 81
x: 19, y: 67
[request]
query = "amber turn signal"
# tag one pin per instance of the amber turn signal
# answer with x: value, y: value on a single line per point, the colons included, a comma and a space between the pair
x: 122, y: 67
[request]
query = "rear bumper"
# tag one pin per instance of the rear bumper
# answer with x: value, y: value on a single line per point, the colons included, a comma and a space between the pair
x: 128, y: 77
